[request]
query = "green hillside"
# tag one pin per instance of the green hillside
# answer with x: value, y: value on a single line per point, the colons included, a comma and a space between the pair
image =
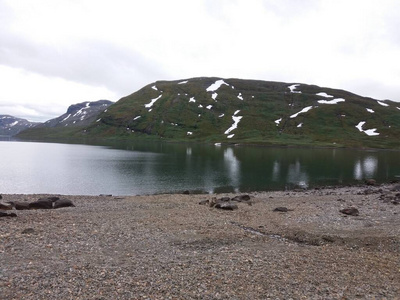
x: 246, y: 111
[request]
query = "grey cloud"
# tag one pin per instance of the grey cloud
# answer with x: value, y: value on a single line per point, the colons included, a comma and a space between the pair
x: 88, y: 62
x: 32, y: 111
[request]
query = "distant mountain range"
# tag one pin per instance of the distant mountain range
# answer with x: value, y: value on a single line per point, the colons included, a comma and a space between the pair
x: 217, y: 110
x: 10, y: 126
x: 77, y: 115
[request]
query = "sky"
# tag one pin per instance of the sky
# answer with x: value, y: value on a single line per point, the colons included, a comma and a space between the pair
x: 54, y: 53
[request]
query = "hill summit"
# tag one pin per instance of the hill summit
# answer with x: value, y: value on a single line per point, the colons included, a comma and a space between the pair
x: 217, y: 110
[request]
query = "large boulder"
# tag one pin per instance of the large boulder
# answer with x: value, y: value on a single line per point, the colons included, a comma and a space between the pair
x: 42, y: 203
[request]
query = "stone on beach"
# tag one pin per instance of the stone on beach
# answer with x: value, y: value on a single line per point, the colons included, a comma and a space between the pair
x: 351, y: 211
x: 63, y: 203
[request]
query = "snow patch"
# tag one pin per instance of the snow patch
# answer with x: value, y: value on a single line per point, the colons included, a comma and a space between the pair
x: 13, y: 124
x: 200, y: 105
x: 360, y: 125
x: 236, y: 120
x: 216, y: 85
x: 230, y: 136
x: 98, y: 120
x: 183, y: 82
x: 154, y: 88
x: 293, y: 88
x: 192, y: 99
x: 278, y: 121
x: 333, y: 101
x: 148, y: 105
x: 240, y: 97
x: 189, y: 133
x: 370, y: 132
x: 214, y: 96
x: 221, y: 115
x: 236, y: 112
x: 370, y: 110
x: 135, y: 118
x: 323, y: 94
x: 65, y: 118
x: 382, y: 103
x: 398, y: 108
x: 209, y: 106
x: 304, y: 110
x: 300, y: 125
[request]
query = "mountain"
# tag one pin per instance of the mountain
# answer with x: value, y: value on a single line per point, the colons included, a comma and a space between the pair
x: 250, y: 111
x: 77, y: 116
x: 10, y: 126
x: 80, y: 114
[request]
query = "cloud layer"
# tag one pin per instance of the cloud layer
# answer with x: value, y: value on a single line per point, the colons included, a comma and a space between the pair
x: 54, y: 54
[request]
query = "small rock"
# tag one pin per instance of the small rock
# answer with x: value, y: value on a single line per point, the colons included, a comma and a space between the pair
x: 396, y: 202
x: 351, y: 211
x: 3, y: 214
x: 241, y: 198
x: 186, y: 192
x: 224, y: 199
x: 204, y: 202
x: 226, y: 206
x: 28, y: 231
x: 6, y: 206
x: 370, y: 181
x: 281, y: 209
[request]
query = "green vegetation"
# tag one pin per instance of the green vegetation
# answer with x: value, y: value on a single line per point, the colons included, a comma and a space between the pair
x: 174, y: 116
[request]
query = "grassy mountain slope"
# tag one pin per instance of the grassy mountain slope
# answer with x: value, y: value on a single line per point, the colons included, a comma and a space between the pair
x: 268, y: 113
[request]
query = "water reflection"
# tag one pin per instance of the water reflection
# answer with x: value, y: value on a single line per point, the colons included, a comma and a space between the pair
x: 297, y: 176
x: 232, y: 165
x: 365, y: 168
x: 147, y: 168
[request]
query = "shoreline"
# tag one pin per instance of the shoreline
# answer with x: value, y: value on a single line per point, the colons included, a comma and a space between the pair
x: 167, y: 246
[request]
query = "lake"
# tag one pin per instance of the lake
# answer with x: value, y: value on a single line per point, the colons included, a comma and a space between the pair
x: 136, y: 168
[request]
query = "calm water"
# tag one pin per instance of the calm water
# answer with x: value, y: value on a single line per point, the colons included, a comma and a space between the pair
x: 146, y: 168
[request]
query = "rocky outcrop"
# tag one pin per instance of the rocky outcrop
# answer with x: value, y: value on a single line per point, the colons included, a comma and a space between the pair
x: 41, y: 203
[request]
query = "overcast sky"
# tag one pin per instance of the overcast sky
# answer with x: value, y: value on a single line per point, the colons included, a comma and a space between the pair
x: 54, y: 53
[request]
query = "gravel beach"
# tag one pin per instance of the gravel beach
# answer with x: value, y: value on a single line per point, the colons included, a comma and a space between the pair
x: 170, y: 247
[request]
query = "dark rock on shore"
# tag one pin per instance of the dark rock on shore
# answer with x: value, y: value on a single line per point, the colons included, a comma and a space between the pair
x: 3, y: 214
x: 63, y: 203
x: 351, y: 211
x: 241, y: 198
x: 43, y: 203
x: 370, y: 181
x: 281, y: 209
x: 226, y: 206
x: 6, y: 206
